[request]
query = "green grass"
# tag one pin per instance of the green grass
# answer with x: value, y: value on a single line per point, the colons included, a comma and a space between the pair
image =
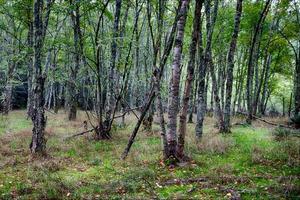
x: 249, y: 161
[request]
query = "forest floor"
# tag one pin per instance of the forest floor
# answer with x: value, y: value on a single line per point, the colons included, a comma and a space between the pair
x: 249, y: 163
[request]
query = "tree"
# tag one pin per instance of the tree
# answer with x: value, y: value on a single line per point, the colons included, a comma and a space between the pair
x: 72, y: 90
x: 230, y: 65
x: 38, y: 141
x: 175, y: 80
x: 189, y: 79
x: 252, y: 60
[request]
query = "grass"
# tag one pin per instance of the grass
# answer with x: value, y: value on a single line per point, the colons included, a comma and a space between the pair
x: 249, y: 161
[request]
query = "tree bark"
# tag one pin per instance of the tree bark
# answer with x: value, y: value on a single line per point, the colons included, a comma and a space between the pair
x: 251, y: 60
x: 297, y: 86
x: 175, y: 81
x: 38, y: 142
x: 30, y: 67
x: 112, y: 73
x: 201, y: 102
x: 210, y: 65
x: 230, y: 65
x: 7, y: 104
x: 218, y: 109
x: 73, y: 94
x: 290, y: 104
x: 264, y: 84
x: 189, y: 79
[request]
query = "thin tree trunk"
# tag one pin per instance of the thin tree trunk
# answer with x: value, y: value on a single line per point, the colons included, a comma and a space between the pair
x: 30, y: 68
x: 218, y: 109
x: 283, y: 107
x: 175, y: 81
x: 290, y: 104
x: 189, y: 79
x: 230, y: 65
x: 210, y: 64
x: 297, y: 87
x: 114, y: 46
x: 201, y: 108
x: 7, y: 104
x: 250, y: 71
x: 264, y: 84
x: 75, y: 17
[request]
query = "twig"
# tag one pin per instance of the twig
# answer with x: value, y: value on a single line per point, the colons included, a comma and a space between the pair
x: 132, y: 110
x: 127, y: 111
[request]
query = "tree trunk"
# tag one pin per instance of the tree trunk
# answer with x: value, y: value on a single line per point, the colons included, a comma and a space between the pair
x: 175, y: 81
x: 7, y: 104
x: 30, y: 69
x: 112, y: 73
x: 218, y: 109
x: 265, y: 85
x: 201, y: 108
x: 189, y: 79
x: 230, y: 65
x: 297, y: 87
x: 38, y: 142
x: 210, y: 65
x: 251, y: 60
x: 290, y: 104
x: 73, y: 94
x: 283, y: 107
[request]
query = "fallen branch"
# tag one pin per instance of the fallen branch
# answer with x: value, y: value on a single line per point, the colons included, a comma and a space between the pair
x: 78, y: 134
x: 267, y: 122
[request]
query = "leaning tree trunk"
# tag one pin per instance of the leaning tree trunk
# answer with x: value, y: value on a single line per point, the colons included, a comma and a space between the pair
x: 175, y: 81
x: 189, y: 80
x: 230, y: 65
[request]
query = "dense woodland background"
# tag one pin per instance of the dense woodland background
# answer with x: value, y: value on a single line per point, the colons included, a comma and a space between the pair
x: 154, y: 66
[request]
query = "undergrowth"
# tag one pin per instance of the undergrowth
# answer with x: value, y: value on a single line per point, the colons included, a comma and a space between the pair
x: 250, y: 161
